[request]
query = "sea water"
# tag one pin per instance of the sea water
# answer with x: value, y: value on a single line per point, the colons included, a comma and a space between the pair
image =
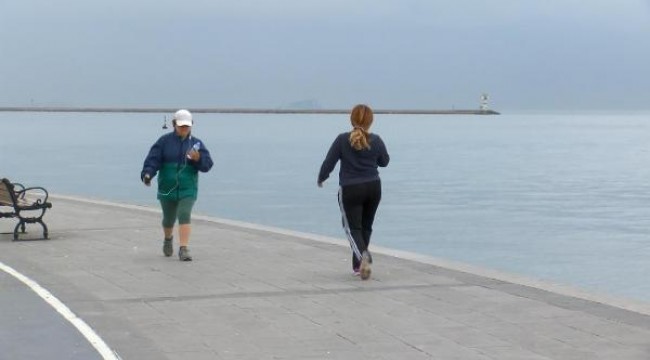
x: 559, y: 197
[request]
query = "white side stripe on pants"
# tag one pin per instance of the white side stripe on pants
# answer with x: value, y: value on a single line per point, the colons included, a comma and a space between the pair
x: 346, y: 227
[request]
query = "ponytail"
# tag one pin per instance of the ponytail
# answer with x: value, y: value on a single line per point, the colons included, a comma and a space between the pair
x: 359, y: 138
x: 361, y: 118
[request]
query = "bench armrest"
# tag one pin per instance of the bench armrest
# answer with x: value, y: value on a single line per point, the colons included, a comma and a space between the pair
x: 18, y: 186
x: 37, y: 193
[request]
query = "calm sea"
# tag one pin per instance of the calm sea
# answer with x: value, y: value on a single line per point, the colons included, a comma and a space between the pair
x: 565, y: 198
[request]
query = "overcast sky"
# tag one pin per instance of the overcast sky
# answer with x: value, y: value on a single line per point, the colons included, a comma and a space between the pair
x: 545, y: 55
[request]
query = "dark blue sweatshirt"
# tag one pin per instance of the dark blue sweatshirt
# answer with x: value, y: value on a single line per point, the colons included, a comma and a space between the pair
x: 357, y: 166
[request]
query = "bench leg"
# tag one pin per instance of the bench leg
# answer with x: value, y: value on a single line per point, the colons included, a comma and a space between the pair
x: 45, y: 233
x: 21, y: 226
x: 18, y: 226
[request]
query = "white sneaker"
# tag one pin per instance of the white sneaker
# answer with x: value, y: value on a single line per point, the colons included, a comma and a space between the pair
x: 365, y: 270
x: 184, y: 254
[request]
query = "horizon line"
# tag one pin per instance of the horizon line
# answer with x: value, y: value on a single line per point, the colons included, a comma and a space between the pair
x: 236, y: 110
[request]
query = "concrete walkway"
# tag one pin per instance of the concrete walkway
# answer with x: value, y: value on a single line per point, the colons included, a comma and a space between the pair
x: 251, y: 293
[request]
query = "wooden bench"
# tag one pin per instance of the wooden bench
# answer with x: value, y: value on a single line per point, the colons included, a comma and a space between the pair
x: 27, y: 204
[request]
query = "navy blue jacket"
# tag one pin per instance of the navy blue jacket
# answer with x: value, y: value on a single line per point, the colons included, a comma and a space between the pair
x: 178, y: 176
x: 357, y: 166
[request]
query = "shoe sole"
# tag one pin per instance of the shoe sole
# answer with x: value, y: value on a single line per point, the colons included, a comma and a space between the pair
x: 364, y: 270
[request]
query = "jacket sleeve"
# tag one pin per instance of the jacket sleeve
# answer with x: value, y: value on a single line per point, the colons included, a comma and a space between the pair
x: 153, y: 160
x: 332, y: 157
x: 205, y: 161
x: 383, y: 158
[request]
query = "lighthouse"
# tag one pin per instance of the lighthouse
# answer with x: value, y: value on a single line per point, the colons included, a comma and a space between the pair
x: 484, y: 102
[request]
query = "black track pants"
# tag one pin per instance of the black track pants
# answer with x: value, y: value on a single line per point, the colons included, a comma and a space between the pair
x: 358, y: 205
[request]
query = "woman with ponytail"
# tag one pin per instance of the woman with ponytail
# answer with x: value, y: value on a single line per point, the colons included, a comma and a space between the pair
x: 361, y: 153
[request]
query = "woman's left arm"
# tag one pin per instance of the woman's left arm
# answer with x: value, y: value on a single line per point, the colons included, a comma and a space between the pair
x: 204, y: 163
x: 383, y: 158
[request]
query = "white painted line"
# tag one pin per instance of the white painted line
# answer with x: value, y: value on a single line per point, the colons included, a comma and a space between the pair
x: 67, y: 314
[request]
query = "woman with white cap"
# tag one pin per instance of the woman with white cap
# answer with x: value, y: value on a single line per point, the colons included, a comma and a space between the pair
x: 176, y: 158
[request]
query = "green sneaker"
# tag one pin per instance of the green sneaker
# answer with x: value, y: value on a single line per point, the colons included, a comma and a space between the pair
x: 168, y: 246
x: 184, y: 254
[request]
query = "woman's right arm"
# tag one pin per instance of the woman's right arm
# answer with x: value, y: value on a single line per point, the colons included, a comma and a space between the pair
x: 332, y: 157
x: 153, y: 160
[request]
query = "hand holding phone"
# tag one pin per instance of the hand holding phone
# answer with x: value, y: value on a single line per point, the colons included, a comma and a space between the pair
x: 194, y: 154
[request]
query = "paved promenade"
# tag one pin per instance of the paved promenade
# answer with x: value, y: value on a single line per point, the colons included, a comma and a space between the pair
x: 251, y: 293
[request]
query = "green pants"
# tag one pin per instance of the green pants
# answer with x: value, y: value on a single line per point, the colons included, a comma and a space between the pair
x: 173, y: 209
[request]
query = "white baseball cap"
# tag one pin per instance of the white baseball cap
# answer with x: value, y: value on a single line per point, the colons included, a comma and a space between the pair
x: 183, y: 118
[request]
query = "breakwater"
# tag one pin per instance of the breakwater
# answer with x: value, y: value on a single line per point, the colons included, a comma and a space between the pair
x: 164, y: 110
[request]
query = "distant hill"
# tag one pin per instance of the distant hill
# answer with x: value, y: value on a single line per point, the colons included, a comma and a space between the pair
x: 307, y: 104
